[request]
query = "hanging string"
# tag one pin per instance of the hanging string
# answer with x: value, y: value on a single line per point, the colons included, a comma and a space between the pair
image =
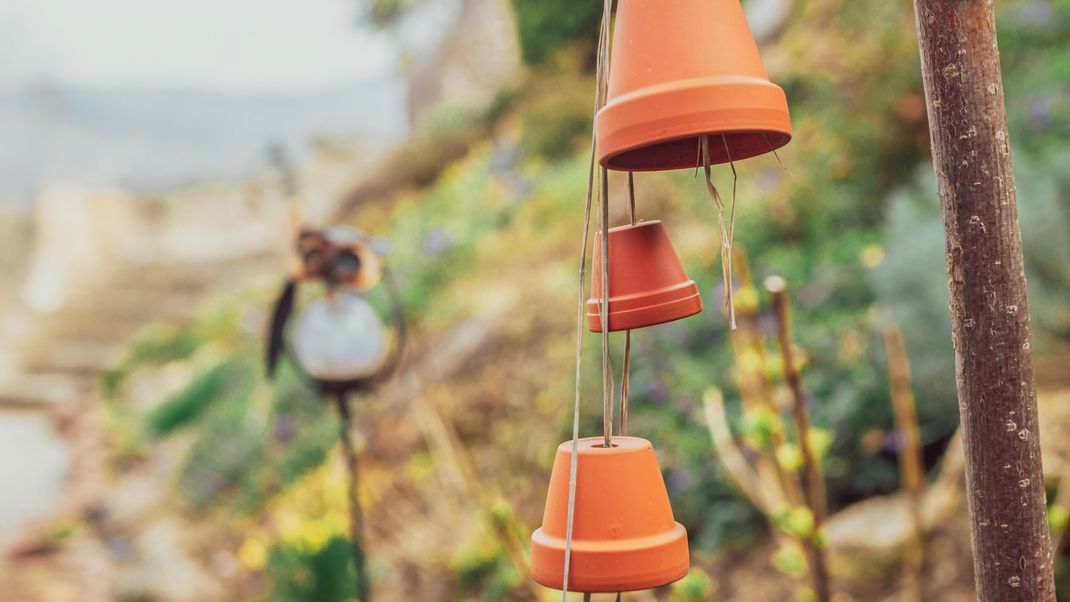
x: 631, y: 197
x: 726, y: 241
x: 607, y: 366
x: 627, y: 367
x: 579, y: 362
x: 735, y: 181
x: 625, y: 382
x: 600, y: 94
x: 777, y: 155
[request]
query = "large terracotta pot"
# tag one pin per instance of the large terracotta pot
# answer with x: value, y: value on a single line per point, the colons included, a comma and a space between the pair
x: 682, y: 69
x: 647, y: 282
x: 624, y: 536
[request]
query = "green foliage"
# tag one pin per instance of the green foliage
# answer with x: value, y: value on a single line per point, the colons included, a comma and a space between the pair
x: 797, y: 522
x: 324, y: 575
x: 912, y: 282
x: 155, y: 347
x: 228, y: 449
x: 1058, y: 518
x: 759, y: 428
x: 790, y: 457
x: 556, y: 116
x: 545, y: 26
x: 188, y: 403
x: 487, y: 573
x: 695, y: 587
x: 790, y: 560
x: 1036, y: 66
x: 444, y: 134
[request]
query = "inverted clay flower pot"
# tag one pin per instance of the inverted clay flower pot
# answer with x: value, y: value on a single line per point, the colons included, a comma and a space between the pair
x: 624, y: 536
x: 647, y: 282
x: 681, y: 70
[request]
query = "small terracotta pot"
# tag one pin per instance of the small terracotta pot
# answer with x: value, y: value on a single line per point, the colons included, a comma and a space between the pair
x: 624, y: 536
x: 680, y: 70
x: 647, y: 282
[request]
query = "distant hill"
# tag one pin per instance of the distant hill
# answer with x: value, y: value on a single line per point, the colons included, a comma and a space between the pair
x: 149, y: 137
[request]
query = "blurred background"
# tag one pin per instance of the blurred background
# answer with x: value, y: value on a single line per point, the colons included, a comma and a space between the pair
x: 156, y: 159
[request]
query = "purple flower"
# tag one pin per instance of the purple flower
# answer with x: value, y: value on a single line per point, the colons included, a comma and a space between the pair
x: 1039, y: 112
x: 285, y: 427
x: 894, y: 440
x: 656, y: 390
x: 1036, y: 13
x: 436, y: 242
x: 677, y: 480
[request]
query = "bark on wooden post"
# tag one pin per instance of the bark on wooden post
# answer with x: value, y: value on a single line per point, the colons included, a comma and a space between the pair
x: 989, y: 314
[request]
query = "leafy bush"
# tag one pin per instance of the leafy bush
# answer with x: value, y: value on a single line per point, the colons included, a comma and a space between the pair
x: 323, y: 575
x: 188, y: 403
x: 556, y: 111
x: 545, y: 26
x: 912, y: 282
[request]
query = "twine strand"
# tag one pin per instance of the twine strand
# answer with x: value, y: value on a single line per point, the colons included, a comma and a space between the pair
x: 627, y: 367
x: 777, y: 155
x: 631, y: 197
x: 607, y: 366
x: 726, y: 241
x: 600, y: 92
x: 735, y: 181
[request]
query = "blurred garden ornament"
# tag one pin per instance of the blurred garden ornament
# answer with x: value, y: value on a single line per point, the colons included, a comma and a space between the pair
x: 340, y: 338
x: 647, y: 282
x: 681, y: 72
x: 625, y: 537
x: 340, y: 343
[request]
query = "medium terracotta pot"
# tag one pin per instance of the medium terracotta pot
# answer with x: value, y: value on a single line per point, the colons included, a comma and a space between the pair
x: 647, y: 282
x: 624, y: 536
x: 681, y: 70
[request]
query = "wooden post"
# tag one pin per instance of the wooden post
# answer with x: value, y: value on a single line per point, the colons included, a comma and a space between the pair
x: 911, y: 463
x: 989, y: 314
x: 813, y: 476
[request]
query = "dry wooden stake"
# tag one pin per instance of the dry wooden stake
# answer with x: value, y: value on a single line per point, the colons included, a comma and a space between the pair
x: 911, y: 465
x: 814, y: 479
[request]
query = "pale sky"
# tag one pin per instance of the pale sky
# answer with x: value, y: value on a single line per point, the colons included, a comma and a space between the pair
x: 226, y: 45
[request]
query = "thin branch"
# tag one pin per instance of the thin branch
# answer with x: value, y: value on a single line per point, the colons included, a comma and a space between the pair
x: 730, y: 453
x: 754, y: 383
x: 815, y: 481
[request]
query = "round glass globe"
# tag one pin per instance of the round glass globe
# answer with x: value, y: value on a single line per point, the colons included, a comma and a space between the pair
x: 340, y: 338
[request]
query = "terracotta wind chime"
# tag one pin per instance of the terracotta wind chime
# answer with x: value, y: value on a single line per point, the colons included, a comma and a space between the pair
x: 339, y: 342
x: 686, y: 88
